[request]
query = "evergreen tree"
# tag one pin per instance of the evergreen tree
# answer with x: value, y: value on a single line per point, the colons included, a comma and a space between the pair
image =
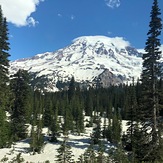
x: 37, y: 141
x: 127, y: 103
x: 4, y: 93
x: 4, y: 62
x: 118, y: 155
x: 78, y: 115
x: 104, y: 131
x: 101, y: 158
x: 131, y: 140
x: 54, y: 127
x: 20, y: 107
x: 68, y: 120
x: 96, y: 135
x: 132, y: 114
x: 5, y: 133
x: 39, y: 135
x: 71, y: 90
x: 33, y: 142
x: 64, y: 153
x: 48, y: 112
x: 80, y: 121
x: 4, y: 48
x: 108, y: 132
x: 116, y: 128
x: 89, y: 103
x: 150, y: 139
x: 90, y: 155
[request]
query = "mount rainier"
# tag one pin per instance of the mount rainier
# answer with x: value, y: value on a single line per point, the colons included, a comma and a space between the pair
x: 89, y: 59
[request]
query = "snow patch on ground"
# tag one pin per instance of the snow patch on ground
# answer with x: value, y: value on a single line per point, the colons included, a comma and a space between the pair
x: 78, y: 143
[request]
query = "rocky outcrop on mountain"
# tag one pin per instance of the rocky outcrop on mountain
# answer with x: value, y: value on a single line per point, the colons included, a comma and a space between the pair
x: 107, y: 78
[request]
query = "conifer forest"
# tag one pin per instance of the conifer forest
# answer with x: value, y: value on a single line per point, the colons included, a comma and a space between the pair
x: 25, y: 110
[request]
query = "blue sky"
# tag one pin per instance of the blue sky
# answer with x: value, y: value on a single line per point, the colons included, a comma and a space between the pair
x: 38, y: 26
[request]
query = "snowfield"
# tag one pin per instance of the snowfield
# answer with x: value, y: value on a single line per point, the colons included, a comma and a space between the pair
x: 78, y: 143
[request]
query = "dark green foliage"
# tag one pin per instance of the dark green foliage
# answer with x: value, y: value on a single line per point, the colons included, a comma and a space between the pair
x: 64, y: 153
x: 118, y: 155
x: 33, y: 142
x: 101, y: 158
x: 104, y: 131
x: 108, y: 131
x: 20, y: 107
x: 89, y: 103
x: 89, y: 155
x: 99, y: 100
x: 93, y: 156
x: 130, y: 139
x: 80, y: 121
x: 77, y: 113
x: 37, y: 140
x: 54, y: 127
x: 113, y: 132
x: 4, y: 48
x: 71, y: 90
x: 149, y: 105
x: 68, y: 121
x: 4, y: 89
x: 96, y: 135
x: 48, y: 112
x: 116, y: 128
x: 5, y: 140
x: 130, y: 103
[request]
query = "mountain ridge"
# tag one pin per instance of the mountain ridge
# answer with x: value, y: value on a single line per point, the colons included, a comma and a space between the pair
x: 87, y: 58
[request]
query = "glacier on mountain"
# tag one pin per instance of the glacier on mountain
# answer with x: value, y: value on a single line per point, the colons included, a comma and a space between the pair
x: 88, y: 58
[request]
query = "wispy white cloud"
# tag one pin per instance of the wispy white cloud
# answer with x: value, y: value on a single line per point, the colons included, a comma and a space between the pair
x: 59, y: 15
x: 113, y: 3
x: 19, y: 12
x: 31, y: 21
x: 72, y: 17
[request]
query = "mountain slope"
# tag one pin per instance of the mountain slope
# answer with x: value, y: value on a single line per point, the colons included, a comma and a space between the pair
x: 88, y: 59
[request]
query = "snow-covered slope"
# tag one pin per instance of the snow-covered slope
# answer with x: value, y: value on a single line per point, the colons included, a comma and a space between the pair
x: 87, y: 58
x: 78, y: 143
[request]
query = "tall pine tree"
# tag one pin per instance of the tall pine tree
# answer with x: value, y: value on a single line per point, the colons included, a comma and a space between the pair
x: 64, y: 153
x: 4, y: 91
x: 37, y: 141
x: 20, y: 107
x: 4, y: 48
x: 150, y: 140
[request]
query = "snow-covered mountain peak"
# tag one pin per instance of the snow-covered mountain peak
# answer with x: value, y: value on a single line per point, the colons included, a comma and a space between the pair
x: 118, y: 42
x: 88, y: 58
